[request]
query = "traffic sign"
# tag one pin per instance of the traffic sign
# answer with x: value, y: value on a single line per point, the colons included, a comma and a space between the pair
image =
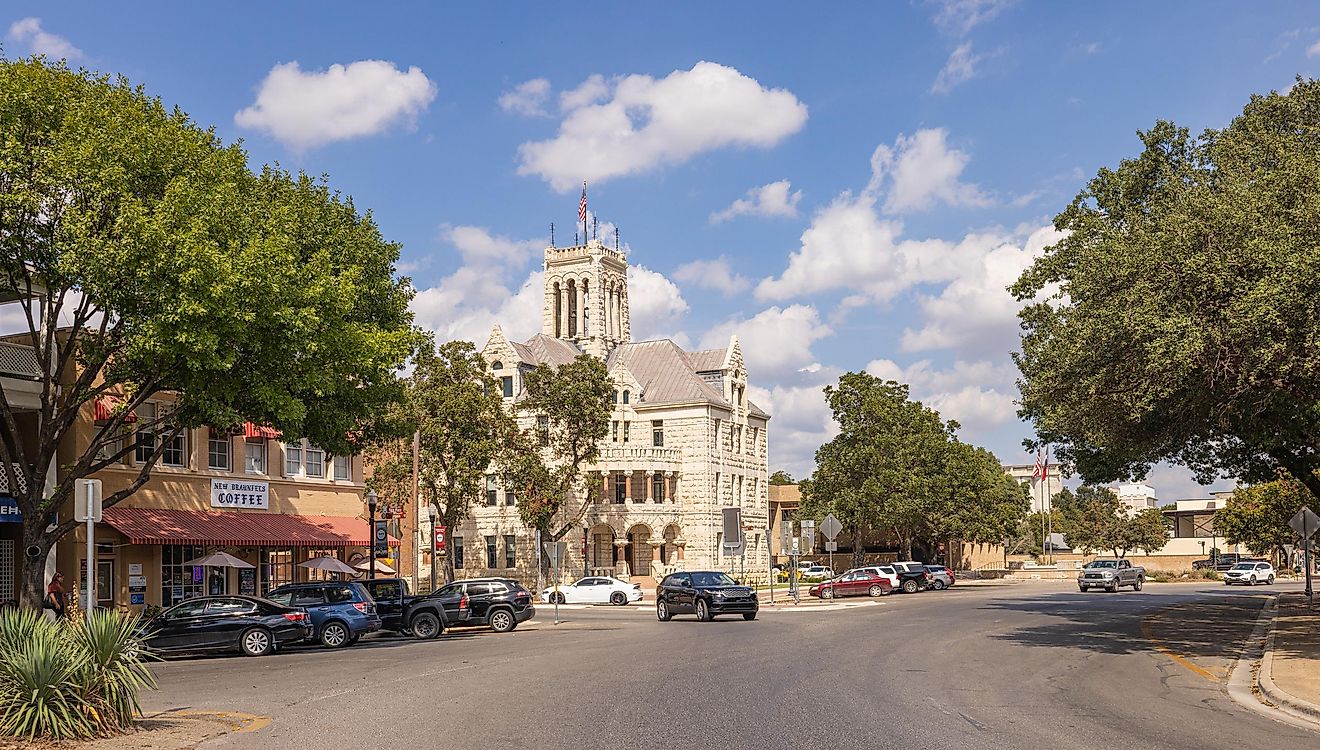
x: 830, y: 527
x: 555, y: 551
x: 1305, y: 523
x: 831, y: 546
x: 88, y: 503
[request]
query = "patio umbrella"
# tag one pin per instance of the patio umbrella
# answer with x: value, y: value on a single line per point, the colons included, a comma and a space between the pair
x: 219, y: 560
x: 381, y: 567
x: 329, y: 565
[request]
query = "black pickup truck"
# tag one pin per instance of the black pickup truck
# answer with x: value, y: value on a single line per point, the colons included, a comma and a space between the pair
x: 423, y: 617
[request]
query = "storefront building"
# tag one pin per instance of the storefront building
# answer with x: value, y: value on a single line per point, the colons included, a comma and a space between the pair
x: 269, y: 502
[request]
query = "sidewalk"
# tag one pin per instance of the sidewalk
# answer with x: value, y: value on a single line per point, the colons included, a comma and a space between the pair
x: 1290, y: 673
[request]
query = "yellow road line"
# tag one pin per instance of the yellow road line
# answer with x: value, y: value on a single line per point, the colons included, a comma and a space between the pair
x: 242, y: 722
x: 1160, y: 647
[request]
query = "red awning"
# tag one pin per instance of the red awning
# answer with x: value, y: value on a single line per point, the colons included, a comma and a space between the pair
x: 260, y: 431
x: 238, y: 528
x: 105, y: 405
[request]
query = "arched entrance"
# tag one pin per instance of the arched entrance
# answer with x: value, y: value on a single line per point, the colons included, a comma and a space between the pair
x: 639, y: 550
x: 602, y: 546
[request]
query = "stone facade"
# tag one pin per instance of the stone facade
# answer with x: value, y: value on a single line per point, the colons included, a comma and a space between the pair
x: 684, y: 443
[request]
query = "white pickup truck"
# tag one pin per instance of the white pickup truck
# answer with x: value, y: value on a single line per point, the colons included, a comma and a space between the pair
x: 1110, y: 574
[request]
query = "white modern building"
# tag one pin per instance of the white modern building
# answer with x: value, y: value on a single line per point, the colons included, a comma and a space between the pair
x: 1042, y: 492
x: 1137, y: 497
x: 684, y: 443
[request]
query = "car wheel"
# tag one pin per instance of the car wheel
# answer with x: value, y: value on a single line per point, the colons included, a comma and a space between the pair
x: 256, y: 642
x: 618, y: 598
x: 557, y: 598
x: 1082, y: 589
x: 662, y: 612
x: 939, y: 585
x: 1137, y: 586
x: 1112, y: 588
x: 426, y: 626
x: 1251, y: 582
x: 334, y: 635
x: 827, y: 593
x: 910, y: 586
x: 1270, y: 581
x: 703, y: 611
x: 877, y: 590
x: 501, y: 621
x: 749, y: 615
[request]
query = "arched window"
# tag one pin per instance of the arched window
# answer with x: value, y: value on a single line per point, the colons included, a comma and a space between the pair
x: 497, y: 365
x: 616, y: 397
x: 625, y: 397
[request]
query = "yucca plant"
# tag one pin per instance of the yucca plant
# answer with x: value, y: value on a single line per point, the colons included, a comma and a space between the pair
x: 39, y: 670
x: 112, y: 669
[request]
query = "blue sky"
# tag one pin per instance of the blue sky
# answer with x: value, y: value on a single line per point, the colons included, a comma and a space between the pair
x: 845, y: 186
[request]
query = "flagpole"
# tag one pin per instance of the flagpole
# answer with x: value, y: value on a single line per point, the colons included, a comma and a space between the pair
x: 1047, y: 502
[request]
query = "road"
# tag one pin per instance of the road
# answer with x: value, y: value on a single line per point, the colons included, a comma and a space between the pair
x: 1026, y: 666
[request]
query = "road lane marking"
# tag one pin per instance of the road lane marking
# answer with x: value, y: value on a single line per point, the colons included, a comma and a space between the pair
x: 1160, y: 647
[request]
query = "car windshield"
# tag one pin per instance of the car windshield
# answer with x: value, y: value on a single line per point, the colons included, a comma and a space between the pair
x: 712, y: 579
x: 1245, y: 566
x: 1103, y: 564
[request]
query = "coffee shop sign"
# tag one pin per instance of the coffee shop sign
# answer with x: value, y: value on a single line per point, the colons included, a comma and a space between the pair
x: 229, y: 493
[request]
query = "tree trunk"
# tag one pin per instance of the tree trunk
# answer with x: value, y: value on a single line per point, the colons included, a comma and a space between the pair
x: 36, y: 539
x: 858, y: 554
x: 448, y: 567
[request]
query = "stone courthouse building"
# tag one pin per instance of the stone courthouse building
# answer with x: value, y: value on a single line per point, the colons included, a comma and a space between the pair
x: 684, y: 441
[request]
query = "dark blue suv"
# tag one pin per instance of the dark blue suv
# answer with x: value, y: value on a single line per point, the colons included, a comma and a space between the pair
x: 341, y: 611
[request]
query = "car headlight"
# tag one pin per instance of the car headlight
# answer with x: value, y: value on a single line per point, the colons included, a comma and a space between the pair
x: 1109, y: 574
x: 718, y: 594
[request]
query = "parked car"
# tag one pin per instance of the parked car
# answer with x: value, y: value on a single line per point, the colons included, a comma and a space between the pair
x: 704, y: 593
x: 912, y: 576
x: 423, y: 617
x: 853, y: 583
x: 594, y: 590
x: 1111, y: 575
x: 248, y: 624
x: 1224, y: 561
x: 341, y: 611
x: 1250, y: 573
x: 500, y: 603
x: 817, y: 573
x: 940, y: 577
x: 884, y: 571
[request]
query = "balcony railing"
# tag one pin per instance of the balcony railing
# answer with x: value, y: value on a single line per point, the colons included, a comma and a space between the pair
x: 19, y: 479
x: 19, y: 361
x: 641, y: 455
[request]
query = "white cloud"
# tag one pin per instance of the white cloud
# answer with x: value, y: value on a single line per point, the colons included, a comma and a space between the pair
x: 527, y: 98
x: 975, y: 313
x: 958, y: 17
x: 922, y: 170
x: 28, y: 33
x: 766, y: 200
x: 481, y: 248
x: 655, y: 305
x: 1313, y: 50
x: 712, y: 274
x: 466, y: 304
x: 960, y: 68
x: 637, y: 123
x: 979, y: 395
x: 775, y: 342
x: 304, y: 110
x: 800, y: 423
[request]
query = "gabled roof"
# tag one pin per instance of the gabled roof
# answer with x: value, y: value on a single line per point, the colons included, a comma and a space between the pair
x: 664, y: 372
x: 709, y: 360
x: 547, y: 350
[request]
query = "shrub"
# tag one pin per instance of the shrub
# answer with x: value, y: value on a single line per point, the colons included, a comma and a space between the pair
x: 69, y: 679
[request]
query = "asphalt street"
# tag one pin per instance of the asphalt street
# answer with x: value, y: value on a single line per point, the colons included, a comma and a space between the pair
x: 1026, y: 666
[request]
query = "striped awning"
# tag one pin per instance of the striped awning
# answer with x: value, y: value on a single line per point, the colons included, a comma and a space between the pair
x: 238, y: 528
x: 105, y: 405
x: 260, y: 431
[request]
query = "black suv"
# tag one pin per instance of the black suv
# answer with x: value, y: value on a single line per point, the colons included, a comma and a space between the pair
x: 501, y: 603
x: 704, y: 593
x: 912, y: 576
x: 423, y: 617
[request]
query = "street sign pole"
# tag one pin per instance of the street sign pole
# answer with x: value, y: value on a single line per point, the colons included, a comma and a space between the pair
x: 1306, y: 523
x: 87, y: 507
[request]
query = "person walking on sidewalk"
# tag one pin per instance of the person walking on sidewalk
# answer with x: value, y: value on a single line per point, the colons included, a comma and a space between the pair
x: 55, y: 596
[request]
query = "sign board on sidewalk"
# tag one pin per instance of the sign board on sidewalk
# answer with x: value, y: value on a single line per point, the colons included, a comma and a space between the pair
x: 830, y: 527
x: 1305, y: 523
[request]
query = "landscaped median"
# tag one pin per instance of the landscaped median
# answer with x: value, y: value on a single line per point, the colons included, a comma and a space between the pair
x: 1289, y: 676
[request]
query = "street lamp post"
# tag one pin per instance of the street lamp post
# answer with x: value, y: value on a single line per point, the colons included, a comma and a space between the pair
x: 371, y: 513
x: 435, y: 556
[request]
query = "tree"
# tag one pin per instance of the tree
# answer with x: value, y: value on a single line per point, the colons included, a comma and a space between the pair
x: 780, y: 478
x: 1175, y: 319
x: 145, y: 258
x: 979, y: 503
x: 1094, y: 519
x: 1258, y: 516
x: 453, y: 406
x: 566, y: 414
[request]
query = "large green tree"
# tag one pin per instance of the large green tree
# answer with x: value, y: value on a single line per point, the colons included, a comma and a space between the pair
x: 1179, y: 317
x: 780, y: 478
x: 1093, y: 519
x: 1258, y: 516
x: 452, y: 406
x: 565, y: 415
x: 144, y: 257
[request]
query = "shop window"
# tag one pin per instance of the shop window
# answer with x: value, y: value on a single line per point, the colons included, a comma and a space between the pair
x: 277, y: 568
x: 492, y: 559
x: 218, y: 451
x: 343, y: 468
x: 658, y: 433
x: 456, y: 549
x: 217, y: 581
x: 315, y: 458
x: 492, y: 491
x: 292, y: 459
x: 254, y: 456
x: 658, y: 487
x: 320, y: 575
x: 510, y: 551
x: 178, y: 581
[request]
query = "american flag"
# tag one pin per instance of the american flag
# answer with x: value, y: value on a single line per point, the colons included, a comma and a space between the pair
x: 1039, y: 471
x: 582, y: 204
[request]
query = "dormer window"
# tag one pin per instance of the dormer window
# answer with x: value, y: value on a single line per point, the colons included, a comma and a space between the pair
x: 497, y: 365
x: 625, y: 397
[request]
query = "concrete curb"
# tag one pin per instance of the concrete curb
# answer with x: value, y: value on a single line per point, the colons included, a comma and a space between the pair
x: 1245, y: 684
x: 1281, y: 698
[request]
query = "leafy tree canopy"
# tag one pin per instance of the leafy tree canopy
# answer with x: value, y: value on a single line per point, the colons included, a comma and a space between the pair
x: 1258, y: 516
x: 781, y: 478
x: 1179, y: 317
x: 1093, y: 519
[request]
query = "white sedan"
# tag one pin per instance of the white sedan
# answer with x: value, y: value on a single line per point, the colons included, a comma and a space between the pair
x: 594, y: 590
